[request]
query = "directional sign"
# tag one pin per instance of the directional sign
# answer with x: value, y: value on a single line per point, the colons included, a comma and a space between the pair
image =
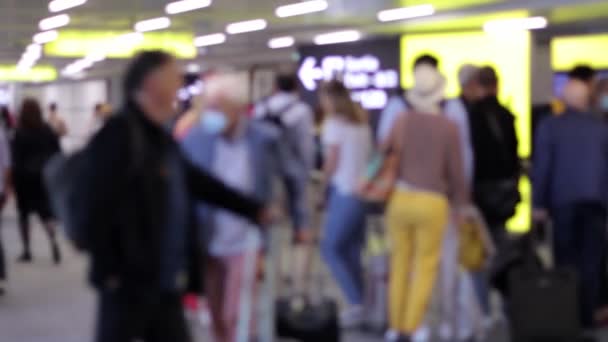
x: 370, y: 69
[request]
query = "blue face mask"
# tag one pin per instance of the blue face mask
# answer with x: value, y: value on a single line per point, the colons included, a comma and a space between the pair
x: 214, y: 121
x: 604, y: 103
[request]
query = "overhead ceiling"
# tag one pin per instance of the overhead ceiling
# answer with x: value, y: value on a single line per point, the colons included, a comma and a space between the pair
x: 19, y: 21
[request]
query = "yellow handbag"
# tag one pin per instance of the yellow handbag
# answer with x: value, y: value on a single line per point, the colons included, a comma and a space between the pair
x: 472, y: 253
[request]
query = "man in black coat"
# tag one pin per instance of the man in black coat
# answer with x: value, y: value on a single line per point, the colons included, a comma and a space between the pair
x: 496, y: 162
x: 143, y: 243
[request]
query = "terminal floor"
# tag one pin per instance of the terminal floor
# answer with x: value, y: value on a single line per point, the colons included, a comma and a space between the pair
x: 48, y: 303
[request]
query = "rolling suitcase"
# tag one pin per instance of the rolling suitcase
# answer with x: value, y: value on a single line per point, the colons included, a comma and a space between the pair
x: 543, y: 303
x: 309, y: 316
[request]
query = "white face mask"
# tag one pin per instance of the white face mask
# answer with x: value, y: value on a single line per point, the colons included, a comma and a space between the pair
x: 214, y: 121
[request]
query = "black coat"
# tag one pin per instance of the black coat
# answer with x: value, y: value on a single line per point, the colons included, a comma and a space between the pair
x: 129, y: 203
x: 31, y: 149
x: 494, y: 141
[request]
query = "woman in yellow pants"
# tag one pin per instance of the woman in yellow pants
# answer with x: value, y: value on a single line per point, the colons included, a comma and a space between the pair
x: 429, y: 186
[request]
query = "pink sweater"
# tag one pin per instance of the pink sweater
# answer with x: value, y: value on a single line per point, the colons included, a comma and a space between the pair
x: 430, y: 156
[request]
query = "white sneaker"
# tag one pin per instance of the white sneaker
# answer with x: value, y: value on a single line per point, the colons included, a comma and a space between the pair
x: 391, y: 336
x: 352, y: 317
x: 422, y: 334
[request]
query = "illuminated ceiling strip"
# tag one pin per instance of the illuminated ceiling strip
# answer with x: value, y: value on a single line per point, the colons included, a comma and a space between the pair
x: 45, y: 37
x: 301, y: 8
x: 338, y: 37
x: 152, y: 24
x: 62, y: 5
x: 406, y: 13
x: 518, y: 24
x: 54, y: 22
x: 210, y: 39
x: 186, y: 5
x: 246, y: 26
x: 281, y: 42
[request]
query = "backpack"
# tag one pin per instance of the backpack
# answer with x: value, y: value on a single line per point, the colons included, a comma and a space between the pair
x: 65, y: 178
x: 275, y: 119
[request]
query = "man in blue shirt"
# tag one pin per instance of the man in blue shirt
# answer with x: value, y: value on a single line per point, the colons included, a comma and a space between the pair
x: 570, y: 183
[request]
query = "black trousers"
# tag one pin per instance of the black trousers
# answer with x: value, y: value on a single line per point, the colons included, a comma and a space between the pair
x: 579, y: 237
x: 2, y: 257
x: 128, y: 316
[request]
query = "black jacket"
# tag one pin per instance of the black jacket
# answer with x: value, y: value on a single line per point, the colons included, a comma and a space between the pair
x: 129, y: 203
x: 494, y: 141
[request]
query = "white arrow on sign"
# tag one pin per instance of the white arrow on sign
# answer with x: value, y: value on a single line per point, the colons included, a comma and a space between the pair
x: 308, y: 73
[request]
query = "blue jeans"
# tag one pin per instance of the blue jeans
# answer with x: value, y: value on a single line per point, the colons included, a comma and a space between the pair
x: 343, y: 243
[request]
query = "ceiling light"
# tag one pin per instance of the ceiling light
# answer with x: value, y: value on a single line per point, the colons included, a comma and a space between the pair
x: 186, y: 5
x: 406, y: 13
x: 519, y: 24
x: 54, y: 22
x: 45, y: 37
x: 62, y: 5
x: 210, y: 39
x: 95, y: 57
x: 246, y: 26
x: 132, y: 38
x: 301, y: 8
x: 32, y: 54
x: 152, y: 24
x: 337, y: 37
x: 23, y: 66
x: 281, y: 42
x: 34, y: 48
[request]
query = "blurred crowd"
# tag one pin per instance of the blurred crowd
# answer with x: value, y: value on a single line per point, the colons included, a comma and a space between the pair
x: 166, y: 204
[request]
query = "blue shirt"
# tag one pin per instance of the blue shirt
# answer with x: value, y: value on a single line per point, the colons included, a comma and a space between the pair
x: 570, y: 161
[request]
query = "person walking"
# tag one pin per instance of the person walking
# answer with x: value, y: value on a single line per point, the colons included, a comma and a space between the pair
x: 496, y: 168
x: 143, y: 245
x: 5, y: 190
x: 425, y: 160
x: 56, y: 121
x: 248, y: 156
x: 347, y: 142
x: 33, y: 145
x: 570, y: 187
x: 295, y: 119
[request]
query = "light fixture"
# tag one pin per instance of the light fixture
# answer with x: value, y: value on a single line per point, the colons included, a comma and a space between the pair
x: 45, y: 37
x: 95, y: 57
x: 517, y: 24
x: 34, y: 48
x: 210, y: 39
x: 301, y: 8
x: 54, y: 22
x: 152, y: 24
x: 281, y: 42
x: 186, y: 5
x: 404, y: 13
x: 62, y: 5
x: 337, y: 37
x: 132, y: 38
x: 246, y: 26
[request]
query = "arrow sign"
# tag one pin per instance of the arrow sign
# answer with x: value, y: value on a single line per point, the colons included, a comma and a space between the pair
x: 309, y: 73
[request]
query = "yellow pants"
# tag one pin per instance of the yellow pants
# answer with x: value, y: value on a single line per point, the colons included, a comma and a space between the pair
x: 416, y: 223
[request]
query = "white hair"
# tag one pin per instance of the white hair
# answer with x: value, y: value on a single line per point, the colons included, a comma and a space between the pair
x: 229, y: 86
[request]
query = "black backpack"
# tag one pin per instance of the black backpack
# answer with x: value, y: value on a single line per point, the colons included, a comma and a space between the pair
x: 275, y: 119
x: 65, y: 178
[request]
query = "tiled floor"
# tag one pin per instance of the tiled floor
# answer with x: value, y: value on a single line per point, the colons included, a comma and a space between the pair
x: 46, y: 303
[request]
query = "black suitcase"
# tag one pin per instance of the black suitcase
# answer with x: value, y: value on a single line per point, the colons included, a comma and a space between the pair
x: 307, y: 321
x: 542, y: 304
